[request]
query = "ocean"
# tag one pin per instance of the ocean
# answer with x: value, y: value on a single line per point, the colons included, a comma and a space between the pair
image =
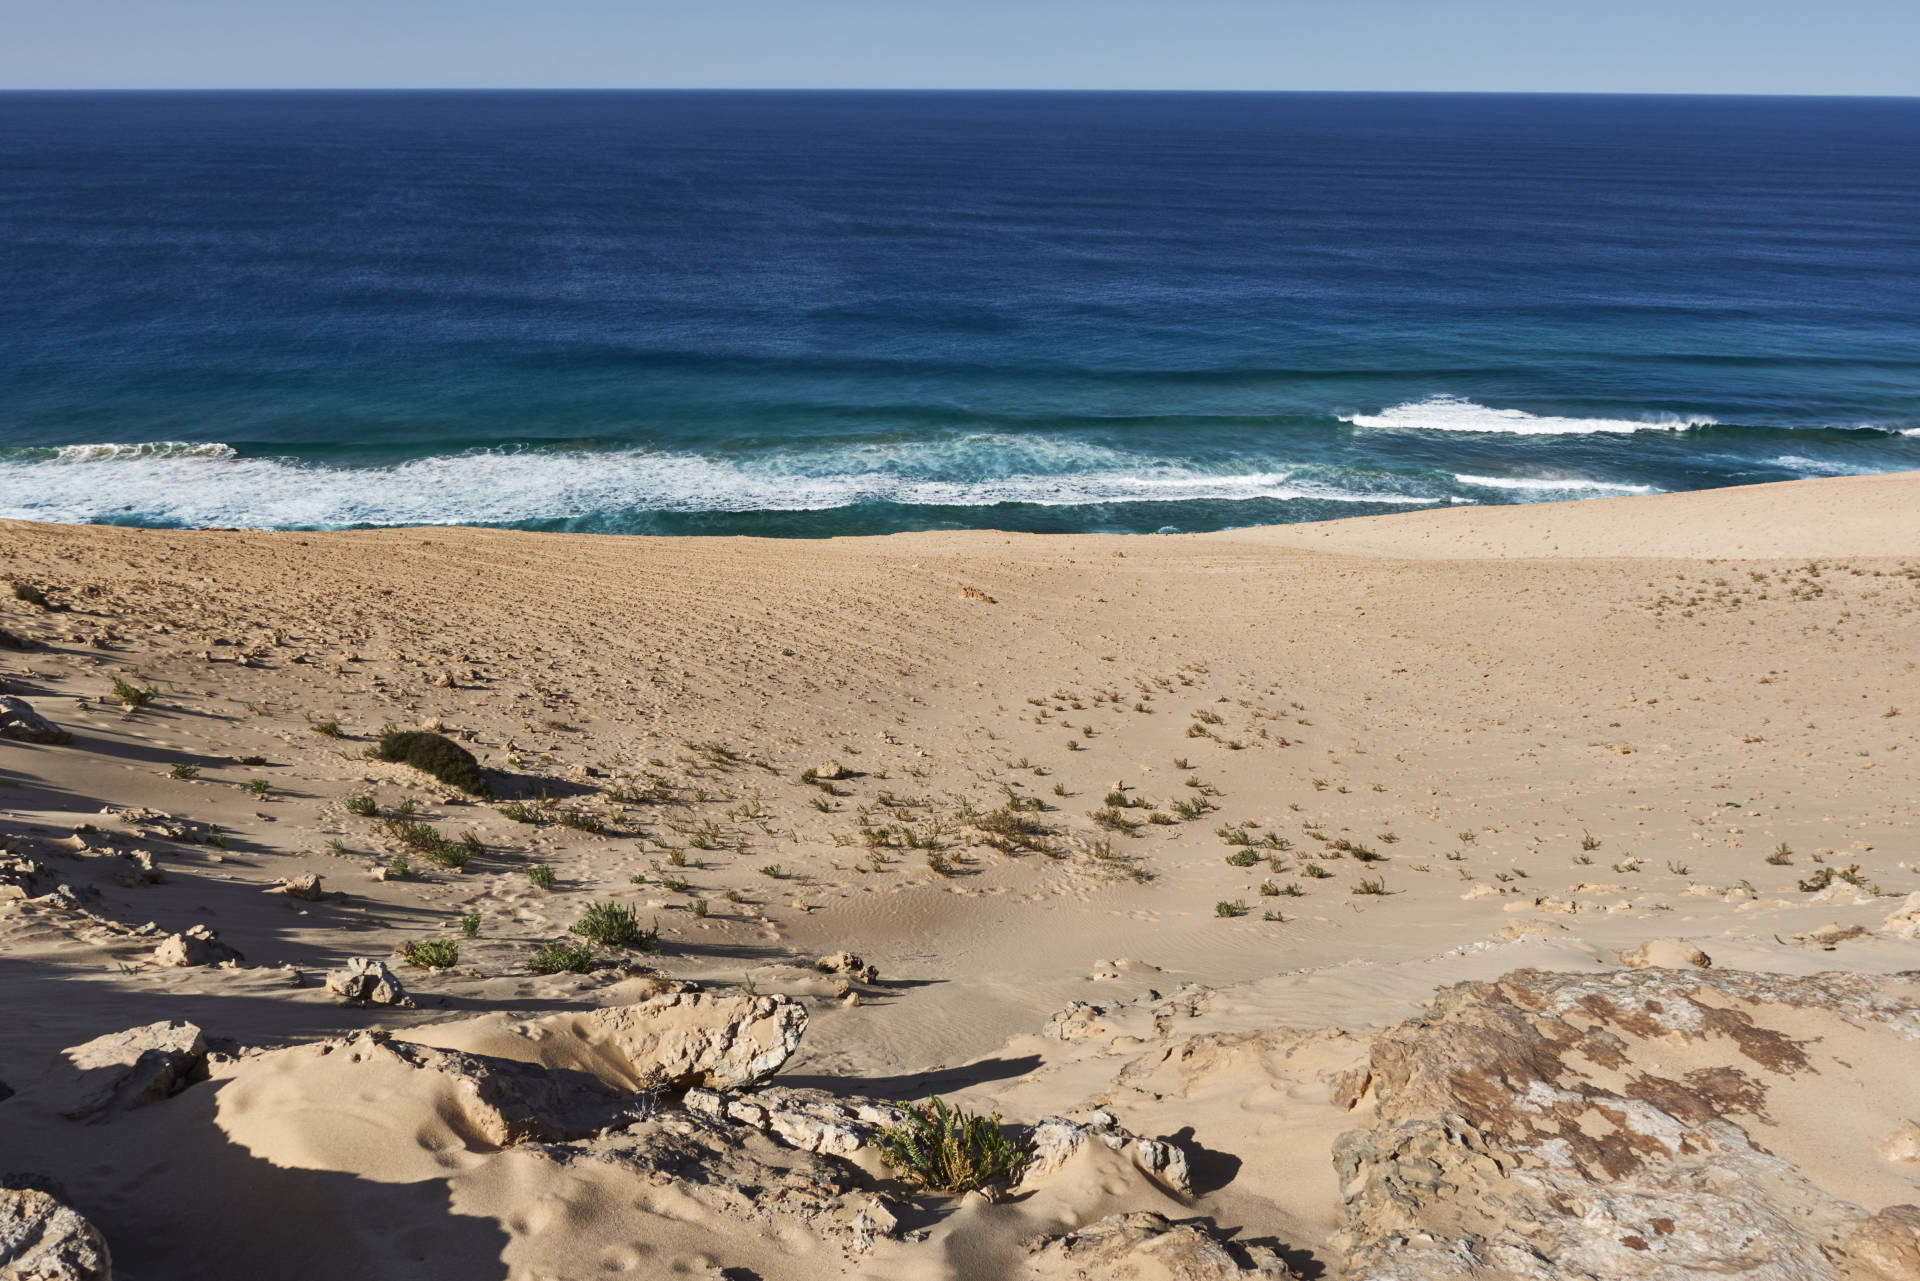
x: 817, y: 314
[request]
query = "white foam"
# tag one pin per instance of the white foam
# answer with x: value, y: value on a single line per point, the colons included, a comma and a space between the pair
x: 1551, y: 485
x: 148, y: 449
x: 211, y: 485
x: 1457, y: 414
x: 1818, y: 467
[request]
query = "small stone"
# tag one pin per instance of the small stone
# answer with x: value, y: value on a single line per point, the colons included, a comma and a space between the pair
x: 366, y: 981
x: 20, y: 722
x: 197, y: 945
x: 305, y: 886
x: 831, y: 771
x: 849, y: 964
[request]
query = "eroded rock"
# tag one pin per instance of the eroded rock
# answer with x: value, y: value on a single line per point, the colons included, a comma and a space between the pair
x: 1670, y: 954
x: 20, y: 722
x: 305, y: 886
x: 196, y: 945
x: 128, y: 1069
x: 1144, y: 1246
x: 849, y: 964
x: 366, y: 981
x: 810, y: 1120
x: 1056, y: 1140
x: 690, y: 1039
x: 44, y: 1239
x: 1523, y: 1130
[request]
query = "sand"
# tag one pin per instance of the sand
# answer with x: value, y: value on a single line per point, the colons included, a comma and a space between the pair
x: 1547, y: 733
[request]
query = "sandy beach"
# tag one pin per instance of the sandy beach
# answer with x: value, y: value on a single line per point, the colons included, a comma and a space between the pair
x: 1173, y: 837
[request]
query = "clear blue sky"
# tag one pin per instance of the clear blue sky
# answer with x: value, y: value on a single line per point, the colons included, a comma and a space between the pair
x: 1700, y: 46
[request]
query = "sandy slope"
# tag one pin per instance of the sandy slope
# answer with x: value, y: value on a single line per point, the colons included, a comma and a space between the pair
x: 1562, y: 729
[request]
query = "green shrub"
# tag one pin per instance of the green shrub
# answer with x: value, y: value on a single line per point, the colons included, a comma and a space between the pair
x: 132, y: 695
x: 470, y: 925
x: 541, y: 875
x: 435, y: 754
x: 561, y: 957
x: 946, y: 1149
x: 425, y: 840
x: 364, y: 806
x: 1236, y: 907
x: 613, y: 924
x: 521, y: 812
x: 430, y: 954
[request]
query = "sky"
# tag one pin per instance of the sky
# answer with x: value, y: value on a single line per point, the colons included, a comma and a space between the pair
x: 1602, y: 46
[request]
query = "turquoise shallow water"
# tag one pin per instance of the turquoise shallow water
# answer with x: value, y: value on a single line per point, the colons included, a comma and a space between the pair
x: 840, y: 313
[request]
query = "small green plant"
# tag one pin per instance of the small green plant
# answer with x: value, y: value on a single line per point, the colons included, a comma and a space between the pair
x: 132, y: 695
x: 774, y: 871
x: 363, y: 806
x: 1676, y: 867
x: 939, y: 864
x: 470, y: 925
x: 946, y: 1149
x: 1059, y: 789
x: 259, y: 786
x: 1234, y: 835
x: 406, y: 807
x: 1073, y: 745
x: 337, y: 845
x: 328, y: 728
x: 1589, y: 842
x: 561, y: 957
x: 434, y: 754
x: 1243, y: 858
x: 185, y: 773
x: 431, y: 954
x: 1313, y: 871
x: 521, y: 812
x: 1375, y: 886
x: 1292, y: 890
x: 541, y: 875
x: 398, y: 869
x: 698, y: 907
x: 1781, y: 856
x: 216, y: 837
x: 580, y: 821
x: 1268, y: 889
x: 613, y: 924
x: 1274, y: 917
x: 1236, y: 907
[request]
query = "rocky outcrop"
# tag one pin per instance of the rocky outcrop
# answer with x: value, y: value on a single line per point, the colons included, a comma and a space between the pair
x: 20, y: 722
x: 689, y: 1039
x: 849, y: 964
x: 1056, y: 1140
x: 1629, y: 1125
x: 1143, y: 1246
x: 366, y: 981
x: 128, y: 1069
x: 43, y: 1239
x: 196, y: 945
x: 810, y: 1120
x: 1905, y: 922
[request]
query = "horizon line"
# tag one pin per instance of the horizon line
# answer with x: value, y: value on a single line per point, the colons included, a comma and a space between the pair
x: 858, y: 89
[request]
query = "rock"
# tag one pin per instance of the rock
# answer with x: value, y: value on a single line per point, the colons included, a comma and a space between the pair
x: 197, y: 945
x: 1903, y: 1145
x: 1078, y: 1021
x: 19, y: 721
x: 810, y: 1120
x: 830, y: 771
x: 1843, y: 894
x: 1830, y: 935
x: 23, y: 877
x: 1056, y: 1140
x: 680, y: 1040
x: 366, y: 981
x: 1905, y: 922
x: 305, y: 886
x: 849, y: 964
x: 140, y: 869
x: 1524, y: 1131
x: 128, y: 1069
x: 1671, y: 954
x: 1143, y: 1246
x: 43, y: 1239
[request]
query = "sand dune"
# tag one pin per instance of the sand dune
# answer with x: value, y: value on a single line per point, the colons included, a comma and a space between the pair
x: 1105, y: 813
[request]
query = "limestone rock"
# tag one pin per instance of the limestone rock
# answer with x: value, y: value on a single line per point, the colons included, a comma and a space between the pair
x: 1903, y: 1145
x: 849, y: 964
x: 128, y: 1069
x: 366, y: 981
x: 1078, y: 1021
x: 681, y: 1040
x: 1056, y: 1140
x: 19, y: 721
x: 23, y: 877
x: 305, y: 886
x: 196, y: 945
x: 1143, y: 1246
x: 43, y: 1239
x: 1523, y: 1131
x: 810, y: 1120
x: 1905, y: 922
x: 830, y: 771
x: 1670, y: 954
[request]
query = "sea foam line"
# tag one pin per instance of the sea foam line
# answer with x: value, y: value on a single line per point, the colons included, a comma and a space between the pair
x: 211, y: 485
x: 1551, y: 485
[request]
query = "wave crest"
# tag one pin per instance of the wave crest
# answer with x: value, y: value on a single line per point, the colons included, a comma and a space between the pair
x: 1458, y: 414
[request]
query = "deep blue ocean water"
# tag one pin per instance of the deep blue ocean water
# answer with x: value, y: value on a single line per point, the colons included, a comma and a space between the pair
x: 824, y: 313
